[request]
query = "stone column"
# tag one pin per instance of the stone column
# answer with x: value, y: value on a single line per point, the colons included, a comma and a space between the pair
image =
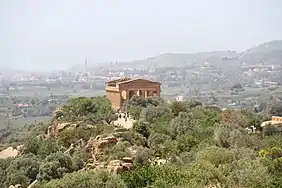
x: 118, y: 99
x: 127, y: 95
x: 146, y: 94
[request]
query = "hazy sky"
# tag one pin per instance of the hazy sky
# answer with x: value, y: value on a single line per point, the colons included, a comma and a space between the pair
x: 60, y: 33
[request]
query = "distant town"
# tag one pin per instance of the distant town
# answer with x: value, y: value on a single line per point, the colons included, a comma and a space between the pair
x: 228, y: 79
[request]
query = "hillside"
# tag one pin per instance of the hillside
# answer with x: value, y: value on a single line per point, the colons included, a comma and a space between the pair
x: 179, y: 144
x: 178, y: 59
x: 269, y: 53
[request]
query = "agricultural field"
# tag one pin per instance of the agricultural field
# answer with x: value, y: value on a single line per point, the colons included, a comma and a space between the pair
x: 19, y: 123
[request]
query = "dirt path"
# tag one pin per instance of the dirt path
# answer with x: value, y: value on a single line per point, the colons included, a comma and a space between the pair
x: 126, y: 124
x: 9, y: 152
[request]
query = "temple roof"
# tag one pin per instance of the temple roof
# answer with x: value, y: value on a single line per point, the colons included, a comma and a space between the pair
x: 119, y: 80
x: 126, y: 80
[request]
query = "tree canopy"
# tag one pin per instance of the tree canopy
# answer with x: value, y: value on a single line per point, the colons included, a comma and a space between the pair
x: 178, y: 144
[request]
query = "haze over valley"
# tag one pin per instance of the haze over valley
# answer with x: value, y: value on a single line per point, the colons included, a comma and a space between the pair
x: 149, y: 94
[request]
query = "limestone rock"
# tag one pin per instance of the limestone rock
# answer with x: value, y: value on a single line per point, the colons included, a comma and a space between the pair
x: 128, y: 166
x: 96, y: 146
x: 58, y: 109
x: 127, y: 159
x: 58, y: 127
x: 115, y: 169
x: 115, y: 163
x: 90, y: 126
x: 62, y: 126
x: 33, y: 184
x: 117, y: 166
x: 75, y: 146
x: 15, y: 186
x: 49, y: 132
x: 213, y: 185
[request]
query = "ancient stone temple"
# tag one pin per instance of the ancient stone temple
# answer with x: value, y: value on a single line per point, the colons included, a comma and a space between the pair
x: 118, y: 91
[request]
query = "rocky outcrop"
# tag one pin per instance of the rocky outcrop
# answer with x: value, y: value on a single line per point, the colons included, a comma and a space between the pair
x: 127, y: 159
x: 115, y: 166
x: 33, y: 184
x: 49, y: 131
x: 74, y: 146
x: 58, y: 109
x: 57, y: 127
x: 213, y: 185
x: 15, y: 186
x: 119, y: 166
x: 96, y: 146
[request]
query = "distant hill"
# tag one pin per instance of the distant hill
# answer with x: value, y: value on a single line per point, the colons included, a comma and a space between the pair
x: 268, y: 53
x: 179, y: 59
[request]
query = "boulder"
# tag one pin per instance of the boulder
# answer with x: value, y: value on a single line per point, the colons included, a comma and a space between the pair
x: 116, y: 169
x: 115, y: 163
x: 96, y: 146
x: 117, y: 166
x: 213, y: 185
x: 90, y: 126
x: 128, y: 166
x: 62, y: 126
x: 15, y: 186
x: 127, y: 159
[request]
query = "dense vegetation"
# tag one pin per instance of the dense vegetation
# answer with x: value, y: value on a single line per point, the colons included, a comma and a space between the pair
x: 201, y: 146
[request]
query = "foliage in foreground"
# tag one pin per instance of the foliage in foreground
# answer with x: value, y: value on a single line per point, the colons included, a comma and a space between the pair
x: 86, y: 179
x: 202, y: 146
